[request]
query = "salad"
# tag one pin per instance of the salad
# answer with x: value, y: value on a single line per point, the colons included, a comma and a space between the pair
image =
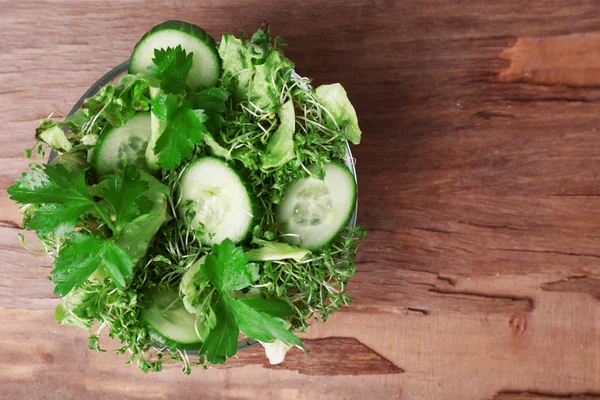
x: 199, y: 203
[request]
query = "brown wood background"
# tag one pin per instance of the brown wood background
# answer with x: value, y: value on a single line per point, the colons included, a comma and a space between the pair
x: 479, y: 180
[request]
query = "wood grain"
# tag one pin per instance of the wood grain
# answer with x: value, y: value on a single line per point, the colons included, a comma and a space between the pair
x: 478, y: 182
x: 539, y: 396
x: 575, y: 284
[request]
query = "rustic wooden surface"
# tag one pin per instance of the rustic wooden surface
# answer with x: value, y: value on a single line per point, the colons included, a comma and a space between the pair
x: 479, y: 181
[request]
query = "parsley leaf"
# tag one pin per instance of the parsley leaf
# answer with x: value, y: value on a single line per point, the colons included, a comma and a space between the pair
x: 52, y: 185
x: 227, y: 268
x: 62, y: 195
x: 58, y: 218
x: 222, y: 341
x: 276, y: 308
x: 187, y: 116
x: 116, y: 263
x: 213, y: 102
x: 257, y: 324
x: 123, y: 192
x: 113, y: 104
x: 165, y: 105
x: 76, y: 262
x: 184, y: 129
x: 172, y: 67
x: 81, y: 256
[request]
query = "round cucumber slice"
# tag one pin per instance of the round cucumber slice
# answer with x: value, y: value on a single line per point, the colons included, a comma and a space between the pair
x: 313, y: 211
x: 222, y: 201
x: 169, y: 322
x: 123, y: 145
x: 206, y: 64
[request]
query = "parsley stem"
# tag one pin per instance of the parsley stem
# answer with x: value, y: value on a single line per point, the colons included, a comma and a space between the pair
x: 105, y: 218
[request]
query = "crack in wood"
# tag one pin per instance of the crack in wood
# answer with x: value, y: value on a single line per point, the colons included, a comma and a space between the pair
x: 5, y: 223
x: 418, y: 310
x: 573, y: 195
x: 562, y: 253
x: 435, y: 230
x: 528, y: 300
x: 490, y: 226
x: 517, y: 395
x: 491, y: 114
x: 575, y: 284
x: 328, y: 356
x: 450, y: 280
x: 552, y: 100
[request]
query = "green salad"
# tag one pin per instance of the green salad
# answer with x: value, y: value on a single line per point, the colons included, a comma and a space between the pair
x: 200, y: 203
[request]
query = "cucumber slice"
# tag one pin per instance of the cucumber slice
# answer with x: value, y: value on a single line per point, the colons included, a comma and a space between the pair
x: 169, y: 322
x: 123, y: 145
x: 314, y: 211
x: 224, y: 205
x: 206, y: 64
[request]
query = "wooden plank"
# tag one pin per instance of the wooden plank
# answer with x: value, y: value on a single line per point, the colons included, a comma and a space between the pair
x: 478, y: 178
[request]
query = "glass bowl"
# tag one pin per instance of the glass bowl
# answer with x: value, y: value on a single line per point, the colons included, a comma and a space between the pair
x: 122, y: 68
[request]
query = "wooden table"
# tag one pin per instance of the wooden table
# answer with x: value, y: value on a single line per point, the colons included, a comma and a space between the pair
x: 479, y: 180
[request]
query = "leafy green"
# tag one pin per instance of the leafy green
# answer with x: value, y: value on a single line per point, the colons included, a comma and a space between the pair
x: 73, y: 310
x: 268, y: 80
x: 51, y: 185
x: 192, y: 287
x: 183, y: 130
x: 270, y: 251
x: 81, y: 256
x: 186, y: 121
x: 56, y: 138
x: 316, y: 288
x: 116, y: 263
x: 123, y: 191
x: 132, y: 94
x: 236, y: 60
x: 137, y: 235
x: 164, y: 105
x: 254, y: 70
x: 59, y: 219
x: 112, y: 106
x: 62, y: 197
x: 340, y: 113
x: 280, y: 148
x: 228, y: 269
x: 76, y: 262
x: 222, y: 341
x: 216, y: 148
x: 213, y: 102
x: 172, y: 67
x: 274, y: 308
x: 254, y: 321
x: 73, y: 162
